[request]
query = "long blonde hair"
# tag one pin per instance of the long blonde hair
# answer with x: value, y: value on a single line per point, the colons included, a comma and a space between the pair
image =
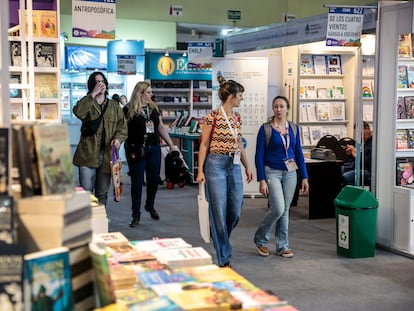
x: 135, y: 104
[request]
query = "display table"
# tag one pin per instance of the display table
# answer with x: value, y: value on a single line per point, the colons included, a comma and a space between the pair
x: 188, y: 144
x: 325, y: 183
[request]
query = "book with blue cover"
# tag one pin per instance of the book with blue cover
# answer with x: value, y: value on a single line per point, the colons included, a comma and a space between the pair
x: 47, y: 280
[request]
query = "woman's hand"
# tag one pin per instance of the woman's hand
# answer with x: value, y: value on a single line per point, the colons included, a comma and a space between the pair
x: 200, y: 177
x: 263, y: 188
x: 116, y: 143
x: 249, y: 175
x: 305, y: 186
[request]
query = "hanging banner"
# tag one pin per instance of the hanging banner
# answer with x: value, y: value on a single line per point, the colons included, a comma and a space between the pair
x: 94, y: 19
x: 344, y: 26
x: 127, y: 64
x: 200, y: 55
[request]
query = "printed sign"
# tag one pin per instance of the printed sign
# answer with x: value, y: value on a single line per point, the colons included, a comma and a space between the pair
x: 127, y: 64
x: 344, y: 26
x: 176, y: 10
x: 343, y: 231
x: 94, y: 19
x: 200, y: 55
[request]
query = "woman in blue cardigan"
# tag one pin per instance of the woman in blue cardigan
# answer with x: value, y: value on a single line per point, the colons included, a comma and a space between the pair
x: 276, y: 165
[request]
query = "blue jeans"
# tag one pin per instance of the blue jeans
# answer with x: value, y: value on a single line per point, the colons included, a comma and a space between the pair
x: 282, y: 186
x: 348, y: 177
x: 151, y: 166
x: 93, y: 179
x: 224, y: 193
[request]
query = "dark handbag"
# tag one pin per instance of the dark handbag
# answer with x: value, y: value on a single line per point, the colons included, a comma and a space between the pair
x: 89, y: 128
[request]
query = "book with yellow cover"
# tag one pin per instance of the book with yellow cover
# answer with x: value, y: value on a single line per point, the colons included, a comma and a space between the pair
x: 46, y: 85
x: 48, y: 23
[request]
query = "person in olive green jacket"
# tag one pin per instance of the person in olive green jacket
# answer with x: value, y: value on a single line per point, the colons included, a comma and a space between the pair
x: 94, y: 151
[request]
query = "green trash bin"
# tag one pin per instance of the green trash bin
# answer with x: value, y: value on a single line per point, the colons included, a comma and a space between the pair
x: 356, y: 222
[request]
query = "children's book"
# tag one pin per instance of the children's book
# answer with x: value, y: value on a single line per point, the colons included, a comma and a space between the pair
x: 46, y: 85
x: 334, y: 64
x: 323, y: 92
x: 337, y: 91
x: 304, y: 130
x: 159, y: 244
x: 47, y: 280
x: 323, y: 111
x: 410, y: 76
x: 409, y: 107
x: 367, y: 89
x: 404, y: 172
x: 48, y: 23
x: 306, y: 64
x: 404, y: 45
x: 54, y: 158
x: 401, y: 139
x: 45, y: 54
x: 311, y: 111
x: 337, y: 112
x: 402, y: 78
x: 310, y: 91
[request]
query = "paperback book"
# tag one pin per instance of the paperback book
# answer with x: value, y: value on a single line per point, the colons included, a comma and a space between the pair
x: 334, y: 64
x: 404, y: 172
x: 11, y: 276
x: 306, y: 64
x: 45, y: 54
x: 46, y: 85
x: 323, y: 111
x: 113, y: 238
x: 401, y: 139
x: 47, y: 279
x: 319, y: 64
x: 404, y: 45
x: 54, y: 158
x: 410, y: 76
x: 402, y: 78
x: 409, y: 107
x: 337, y: 112
x: 367, y: 89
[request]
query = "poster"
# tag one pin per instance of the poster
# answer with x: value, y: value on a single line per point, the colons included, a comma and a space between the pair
x: 344, y: 26
x: 127, y: 64
x: 94, y: 19
x: 252, y: 73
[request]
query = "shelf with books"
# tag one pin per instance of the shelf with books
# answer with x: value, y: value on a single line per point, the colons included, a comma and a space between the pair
x: 193, y: 96
x: 325, y: 85
x: 34, y: 58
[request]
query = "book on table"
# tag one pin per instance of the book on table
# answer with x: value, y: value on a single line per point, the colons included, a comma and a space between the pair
x: 47, y: 280
x: 11, y: 275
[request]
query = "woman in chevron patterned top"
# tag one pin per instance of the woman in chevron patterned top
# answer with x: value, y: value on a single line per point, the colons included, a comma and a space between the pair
x: 219, y: 158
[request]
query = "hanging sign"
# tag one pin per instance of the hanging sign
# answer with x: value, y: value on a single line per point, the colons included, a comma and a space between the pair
x: 344, y: 26
x: 127, y: 64
x: 199, y: 56
x: 94, y: 19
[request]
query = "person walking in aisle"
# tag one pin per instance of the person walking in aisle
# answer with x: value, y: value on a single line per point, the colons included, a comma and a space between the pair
x: 93, y: 153
x: 276, y: 165
x: 221, y: 152
x: 142, y: 148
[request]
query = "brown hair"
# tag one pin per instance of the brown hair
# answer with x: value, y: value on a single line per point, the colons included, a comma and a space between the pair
x: 228, y: 88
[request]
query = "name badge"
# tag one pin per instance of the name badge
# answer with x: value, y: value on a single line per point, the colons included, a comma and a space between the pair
x: 290, y: 164
x: 149, y: 126
x: 237, y: 157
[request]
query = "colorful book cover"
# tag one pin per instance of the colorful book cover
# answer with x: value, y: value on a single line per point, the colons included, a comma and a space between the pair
x: 337, y: 91
x: 159, y: 244
x: 11, y: 276
x: 103, y: 282
x: 15, y: 92
x: 401, y: 108
x: 47, y: 280
x: 35, y: 22
x: 306, y: 64
x: 401, y: 139
x: 404, y: 45
x: 310, y: 91
x: 367, y: 89
x: 402, y: 78
x: 410, y: 76
x: 150, y: 278
x: 54, y: 158
x: 334, y: 64
x: 48, y: 23
x: 410, y: 138
x: 409, y: 107
x: 113, y: 238
x: 404, y: 172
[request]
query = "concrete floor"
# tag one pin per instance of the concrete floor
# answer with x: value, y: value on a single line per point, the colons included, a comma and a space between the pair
x: 315, y: 279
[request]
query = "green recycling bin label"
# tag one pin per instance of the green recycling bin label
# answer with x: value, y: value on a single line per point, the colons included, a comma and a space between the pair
x: 343, y: 231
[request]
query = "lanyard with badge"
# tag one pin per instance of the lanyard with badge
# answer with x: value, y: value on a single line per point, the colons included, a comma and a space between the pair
x: 237, y: 153
x: 289, y: 162
x: 149, y: 125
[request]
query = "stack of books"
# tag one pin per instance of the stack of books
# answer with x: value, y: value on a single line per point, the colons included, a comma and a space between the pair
x: 99, y: 219
x: 50, y: 221
x: 174, y: 276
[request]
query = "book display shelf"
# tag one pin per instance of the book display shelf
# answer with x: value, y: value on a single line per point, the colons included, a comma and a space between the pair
x: 326, y: 89
x: 34, y: 84
x: 177, y: 98
x: 368, y: 74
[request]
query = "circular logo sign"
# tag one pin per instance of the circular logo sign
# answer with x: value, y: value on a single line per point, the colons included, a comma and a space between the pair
x: 166, y: 66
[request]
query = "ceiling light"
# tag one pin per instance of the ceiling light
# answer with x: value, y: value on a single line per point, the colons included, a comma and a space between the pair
x: 166, y: 53
x: 184, y: 54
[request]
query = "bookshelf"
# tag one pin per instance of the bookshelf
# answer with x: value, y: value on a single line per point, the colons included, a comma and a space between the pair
x: 35, y: 83
x: 176, y: 97
x: 368, y: 75
x: 325, y: 93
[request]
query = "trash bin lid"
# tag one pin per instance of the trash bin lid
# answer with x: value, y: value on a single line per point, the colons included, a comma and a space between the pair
x: 355, y: 197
